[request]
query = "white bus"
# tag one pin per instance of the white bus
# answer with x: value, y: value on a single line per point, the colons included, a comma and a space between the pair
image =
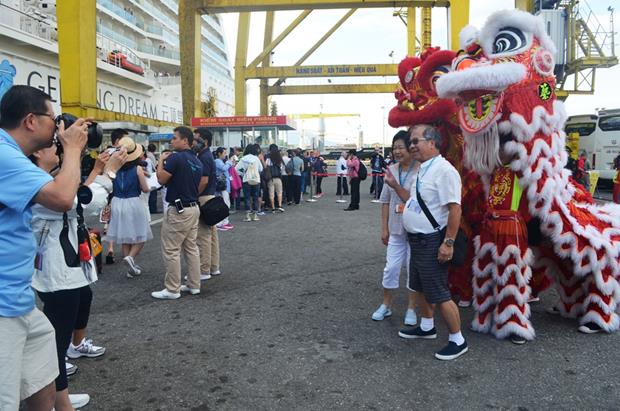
x: 599, y: 137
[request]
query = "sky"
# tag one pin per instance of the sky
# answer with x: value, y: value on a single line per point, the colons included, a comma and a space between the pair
x: 374, y: 36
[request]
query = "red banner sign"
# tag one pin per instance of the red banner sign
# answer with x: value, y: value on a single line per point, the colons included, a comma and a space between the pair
x: 239, y: 121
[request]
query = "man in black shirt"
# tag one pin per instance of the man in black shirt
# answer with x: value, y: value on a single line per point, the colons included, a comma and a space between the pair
x: 208, y: 241
x: 183, y: 174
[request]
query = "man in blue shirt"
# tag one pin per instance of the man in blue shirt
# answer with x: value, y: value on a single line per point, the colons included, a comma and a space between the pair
x: 182, y: 173
x: 208, y: 241
x: 28, y: 362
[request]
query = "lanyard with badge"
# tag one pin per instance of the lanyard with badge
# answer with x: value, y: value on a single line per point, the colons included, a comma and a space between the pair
x: 401, y: 206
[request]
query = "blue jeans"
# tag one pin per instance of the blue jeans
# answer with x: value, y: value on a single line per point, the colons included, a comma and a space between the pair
x: 304, y: 177
x: 377, y: 183
x: 250, y: 191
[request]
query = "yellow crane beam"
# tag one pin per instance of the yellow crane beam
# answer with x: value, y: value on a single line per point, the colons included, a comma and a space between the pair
x: 77, y: 57
x: 319, y: 42
x: 189, y: 42
x: 264, y: 83
x: 332, y: 89
x: 232, y: 6
x: 243, y: 37
x: 321, y: 115
x: 336, y: 70
x: 269, y: 48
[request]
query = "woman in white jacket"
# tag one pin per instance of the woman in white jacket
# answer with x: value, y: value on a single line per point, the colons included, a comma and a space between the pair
x: 62, y: 279
x: 249, y: 168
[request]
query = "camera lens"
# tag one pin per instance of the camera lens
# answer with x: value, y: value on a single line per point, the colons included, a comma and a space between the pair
x: 95, y: 132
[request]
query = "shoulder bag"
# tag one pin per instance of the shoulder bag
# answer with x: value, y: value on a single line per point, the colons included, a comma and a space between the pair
x: 460, y: 242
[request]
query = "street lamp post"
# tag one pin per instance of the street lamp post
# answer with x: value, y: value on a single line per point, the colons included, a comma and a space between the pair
x: 383, y: 130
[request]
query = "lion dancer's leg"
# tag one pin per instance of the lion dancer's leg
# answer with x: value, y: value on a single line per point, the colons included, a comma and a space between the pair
x: 483, y: 268
x: 599, y: 306
x: 512, y: 290
x: 549, y: 265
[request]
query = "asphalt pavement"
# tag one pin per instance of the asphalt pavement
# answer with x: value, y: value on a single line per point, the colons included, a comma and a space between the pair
x: 287, y: 327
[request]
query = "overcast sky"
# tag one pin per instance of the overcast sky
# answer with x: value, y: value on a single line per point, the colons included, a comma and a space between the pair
x: 370, y: 36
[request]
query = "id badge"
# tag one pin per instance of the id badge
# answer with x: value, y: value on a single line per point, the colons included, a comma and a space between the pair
x: 400, y: 208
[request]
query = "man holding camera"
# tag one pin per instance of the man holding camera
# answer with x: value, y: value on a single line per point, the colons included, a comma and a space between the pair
x: 28, y: 362
x: 182, y: 173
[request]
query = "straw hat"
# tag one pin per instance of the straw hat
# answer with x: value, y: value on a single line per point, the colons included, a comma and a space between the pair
x: 134, y: 151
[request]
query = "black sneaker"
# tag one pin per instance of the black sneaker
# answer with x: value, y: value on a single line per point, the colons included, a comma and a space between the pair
x: 418, y: 333
x: 590, y: 328
x: 109, y: 259
x: 451, y: 351
x: 517, y: 339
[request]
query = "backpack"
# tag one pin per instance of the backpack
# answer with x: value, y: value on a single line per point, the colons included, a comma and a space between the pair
x: 276, y: 172
x: 362, y: 173
x: 290, y: 167
x: 221, y: 182
x: 235, y: 180
x: 251, y: 175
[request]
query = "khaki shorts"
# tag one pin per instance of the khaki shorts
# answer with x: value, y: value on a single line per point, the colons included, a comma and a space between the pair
x: 28, y: 359
x: 275, y: 186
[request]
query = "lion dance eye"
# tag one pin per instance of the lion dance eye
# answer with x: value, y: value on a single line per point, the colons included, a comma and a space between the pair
x: 508, y: 39
x: 438, y: 72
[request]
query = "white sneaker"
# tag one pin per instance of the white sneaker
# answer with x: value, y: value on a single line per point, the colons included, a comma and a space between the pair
x: 381, y: 313
x: 464, y: 303
x: 216, y: 272
x: 203, y: 276
x: 79, y: 400
x: 85, y: 349
x: 192, y: 291
x: 132, y: 267
x: 71, y: 368
x: 411, y: 318
x: 165, y: 295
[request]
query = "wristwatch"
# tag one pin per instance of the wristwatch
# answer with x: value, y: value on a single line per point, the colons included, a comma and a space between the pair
x: 111, y: 174
x: 449, y: 242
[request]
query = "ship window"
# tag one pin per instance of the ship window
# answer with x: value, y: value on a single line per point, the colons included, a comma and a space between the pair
x: 584, y: 129
x: 611, y: 123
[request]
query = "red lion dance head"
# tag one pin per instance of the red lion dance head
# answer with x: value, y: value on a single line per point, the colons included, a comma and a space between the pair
x: 418, y: 102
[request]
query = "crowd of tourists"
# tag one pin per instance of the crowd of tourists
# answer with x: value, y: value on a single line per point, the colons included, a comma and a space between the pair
x: 51, y: 187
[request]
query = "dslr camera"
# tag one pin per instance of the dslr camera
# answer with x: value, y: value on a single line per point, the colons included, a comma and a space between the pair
x: 95, y: 132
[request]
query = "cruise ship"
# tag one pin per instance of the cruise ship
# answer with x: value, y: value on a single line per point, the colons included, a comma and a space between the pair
x: 138, y: 58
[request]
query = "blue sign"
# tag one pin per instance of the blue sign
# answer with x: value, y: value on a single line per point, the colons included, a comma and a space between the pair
x: 7, y: 74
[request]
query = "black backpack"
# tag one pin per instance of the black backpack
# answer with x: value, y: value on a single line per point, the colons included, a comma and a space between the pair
x: 276, y: 171
x: 363, y: 172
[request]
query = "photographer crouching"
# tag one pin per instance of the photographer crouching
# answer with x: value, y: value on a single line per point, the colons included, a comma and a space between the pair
x: 28, y: 360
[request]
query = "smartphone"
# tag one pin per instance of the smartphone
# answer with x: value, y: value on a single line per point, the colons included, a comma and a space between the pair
x: 179, y: 205
x: 111, y: 150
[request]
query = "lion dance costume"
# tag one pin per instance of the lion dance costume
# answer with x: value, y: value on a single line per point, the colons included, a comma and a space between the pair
x: 508, y: 90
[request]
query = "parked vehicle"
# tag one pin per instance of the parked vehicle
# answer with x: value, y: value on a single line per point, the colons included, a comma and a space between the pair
x: 599, y: 137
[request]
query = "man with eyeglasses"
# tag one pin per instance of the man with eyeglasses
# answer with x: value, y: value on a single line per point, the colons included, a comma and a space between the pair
x: 436, y: 192
x: 28, y: 362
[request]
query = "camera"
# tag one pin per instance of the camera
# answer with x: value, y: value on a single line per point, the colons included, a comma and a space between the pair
x: 95, y: 132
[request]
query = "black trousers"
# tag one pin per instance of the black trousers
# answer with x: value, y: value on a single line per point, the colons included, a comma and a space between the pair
x: 153, y: 201
x: 67, y: 310
x: 285, y: 184
x: 341, y: 186
x: 355, y: 193
x: 294, y: 189
x: 319, y: 180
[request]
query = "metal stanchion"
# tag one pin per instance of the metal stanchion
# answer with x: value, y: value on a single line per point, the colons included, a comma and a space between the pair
x: 311, y: 200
